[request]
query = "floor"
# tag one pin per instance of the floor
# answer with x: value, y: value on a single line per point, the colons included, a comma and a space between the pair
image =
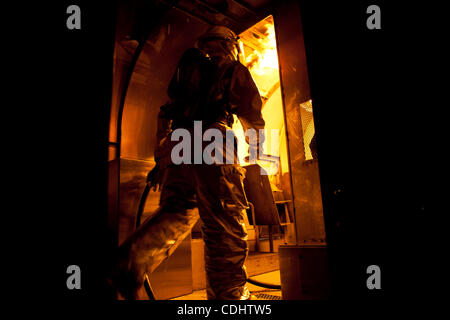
x: 259, y: 292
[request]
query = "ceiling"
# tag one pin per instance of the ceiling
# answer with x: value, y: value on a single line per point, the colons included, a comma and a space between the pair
x: 136, y: 18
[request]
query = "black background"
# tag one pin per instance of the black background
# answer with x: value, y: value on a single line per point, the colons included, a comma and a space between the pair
x: 366, y: 88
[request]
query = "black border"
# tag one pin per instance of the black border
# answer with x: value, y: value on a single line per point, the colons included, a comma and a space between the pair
x: 365, y: 117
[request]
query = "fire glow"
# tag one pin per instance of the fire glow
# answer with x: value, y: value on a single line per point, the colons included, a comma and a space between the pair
x: 260, y: 56
x: 260, y: 61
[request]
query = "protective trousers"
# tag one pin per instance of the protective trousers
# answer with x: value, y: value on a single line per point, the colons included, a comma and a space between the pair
x: 217, y: 191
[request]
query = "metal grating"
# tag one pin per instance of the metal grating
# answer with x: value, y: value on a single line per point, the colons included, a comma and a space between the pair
x: 265, y: 296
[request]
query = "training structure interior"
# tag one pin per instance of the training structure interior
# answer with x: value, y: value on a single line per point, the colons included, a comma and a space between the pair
x: 286, y: 218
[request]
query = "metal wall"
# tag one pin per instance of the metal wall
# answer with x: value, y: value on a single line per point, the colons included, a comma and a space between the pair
x: 295, y: 87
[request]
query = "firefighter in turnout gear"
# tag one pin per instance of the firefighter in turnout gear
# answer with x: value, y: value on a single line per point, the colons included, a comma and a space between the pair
x: 209, y: 85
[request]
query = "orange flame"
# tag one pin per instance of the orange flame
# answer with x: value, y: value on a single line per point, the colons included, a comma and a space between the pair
x: 266, y: 60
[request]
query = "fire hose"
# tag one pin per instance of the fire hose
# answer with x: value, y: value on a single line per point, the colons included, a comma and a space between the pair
x: 147, y: 285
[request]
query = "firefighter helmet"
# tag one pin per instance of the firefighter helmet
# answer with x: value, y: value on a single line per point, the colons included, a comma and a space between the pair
x: 218, y: 33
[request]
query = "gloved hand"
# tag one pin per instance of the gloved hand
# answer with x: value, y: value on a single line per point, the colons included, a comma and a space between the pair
x: 154, y: 177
